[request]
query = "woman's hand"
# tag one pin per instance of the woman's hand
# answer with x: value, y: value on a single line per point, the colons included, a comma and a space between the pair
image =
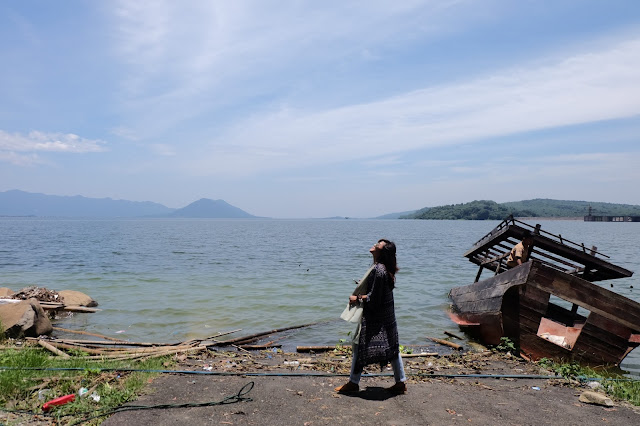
x: 355, y: 299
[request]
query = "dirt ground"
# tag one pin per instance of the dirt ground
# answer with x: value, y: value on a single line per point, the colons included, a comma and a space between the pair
x: 274, y: 396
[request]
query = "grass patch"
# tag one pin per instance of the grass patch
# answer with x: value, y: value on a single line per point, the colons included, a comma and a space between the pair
x: 613, y: 382
x: 26, y: 387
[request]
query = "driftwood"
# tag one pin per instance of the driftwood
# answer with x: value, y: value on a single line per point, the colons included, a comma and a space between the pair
x: 446, y: 343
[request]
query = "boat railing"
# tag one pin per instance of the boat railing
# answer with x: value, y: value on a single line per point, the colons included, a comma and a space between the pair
x: 536, y: 230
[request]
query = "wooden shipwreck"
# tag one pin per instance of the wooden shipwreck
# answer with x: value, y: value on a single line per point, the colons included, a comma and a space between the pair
x: 549, y: 306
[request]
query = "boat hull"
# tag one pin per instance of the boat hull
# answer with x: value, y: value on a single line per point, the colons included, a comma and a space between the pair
x: 525, y: 305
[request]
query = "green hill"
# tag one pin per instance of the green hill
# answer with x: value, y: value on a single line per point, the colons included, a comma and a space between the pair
x: 490, y: 210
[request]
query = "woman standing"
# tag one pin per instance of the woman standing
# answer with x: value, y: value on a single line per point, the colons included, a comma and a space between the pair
x: 378, y: 341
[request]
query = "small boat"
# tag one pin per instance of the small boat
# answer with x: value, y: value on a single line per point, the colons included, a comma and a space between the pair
x: 549, y: 306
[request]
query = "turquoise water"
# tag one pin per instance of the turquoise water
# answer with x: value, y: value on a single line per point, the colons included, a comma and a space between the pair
x: 168, y: 280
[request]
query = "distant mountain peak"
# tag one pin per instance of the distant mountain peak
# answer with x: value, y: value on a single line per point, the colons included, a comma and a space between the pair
x: 208, y: 208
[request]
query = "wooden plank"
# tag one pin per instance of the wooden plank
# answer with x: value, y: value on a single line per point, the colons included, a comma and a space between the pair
x: 613, y: 327
x: 498, y: 283
x: 589, y: 296
x: 603, y: 338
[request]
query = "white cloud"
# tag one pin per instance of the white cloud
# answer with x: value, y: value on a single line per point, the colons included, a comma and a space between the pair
x: 181, y: 58
x: 584, y: 87
x: 164, y: 150
x: 35, y: 141
x: 19, y: 159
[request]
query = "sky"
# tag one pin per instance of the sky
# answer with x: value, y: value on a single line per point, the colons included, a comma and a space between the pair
x: 299, y: 109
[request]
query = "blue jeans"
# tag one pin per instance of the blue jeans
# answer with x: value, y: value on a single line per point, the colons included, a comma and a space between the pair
x: 396, y: 364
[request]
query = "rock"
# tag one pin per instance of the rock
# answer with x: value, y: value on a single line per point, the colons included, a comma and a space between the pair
x: 26, y: 318
x: 76, y: 298
x: 590, y: 397
x: 6, y: 292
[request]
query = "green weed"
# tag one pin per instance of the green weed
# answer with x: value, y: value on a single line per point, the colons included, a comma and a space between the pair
x: 27, y: 386
x: 506, y: 345
x: 613, y: 383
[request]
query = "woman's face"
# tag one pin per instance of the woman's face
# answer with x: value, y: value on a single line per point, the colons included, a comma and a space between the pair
x: 377, y: 248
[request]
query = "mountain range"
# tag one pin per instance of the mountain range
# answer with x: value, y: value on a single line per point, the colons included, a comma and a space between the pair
x: 20, y: 203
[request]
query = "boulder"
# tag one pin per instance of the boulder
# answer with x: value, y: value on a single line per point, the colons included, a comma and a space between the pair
x: 6, y: 292
x: 76, y: 298
x: 25, y: 318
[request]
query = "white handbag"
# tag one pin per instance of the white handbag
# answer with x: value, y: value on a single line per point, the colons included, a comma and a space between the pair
x: 353, y: 312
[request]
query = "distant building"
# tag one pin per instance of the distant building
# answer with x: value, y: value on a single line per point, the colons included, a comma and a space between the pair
x: 591, y: 218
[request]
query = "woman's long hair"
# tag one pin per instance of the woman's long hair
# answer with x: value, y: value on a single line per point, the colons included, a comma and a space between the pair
x: 387, y: 257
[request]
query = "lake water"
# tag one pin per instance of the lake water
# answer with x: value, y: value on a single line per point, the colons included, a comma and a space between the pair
x: 169, y: 280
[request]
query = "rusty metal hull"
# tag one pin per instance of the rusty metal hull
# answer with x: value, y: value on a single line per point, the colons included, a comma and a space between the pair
x: 598, y: 326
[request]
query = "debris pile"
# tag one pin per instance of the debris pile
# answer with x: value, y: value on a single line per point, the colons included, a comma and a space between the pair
x: 40, y: 293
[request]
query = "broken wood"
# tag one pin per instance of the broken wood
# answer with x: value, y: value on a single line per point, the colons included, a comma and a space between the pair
x: 446, y: 343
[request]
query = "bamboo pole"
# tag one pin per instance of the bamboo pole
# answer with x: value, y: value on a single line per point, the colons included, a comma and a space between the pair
x: 419, y: 355
x: 452, y: 335
x: 121, y: 343
x: 251, y: 337
x: 446, y: 343
x: 314, y: 348
x: 143, y: 351
x: 144, y: 356
x: 53, y: 349
x: 86, y: 333
x: 260, y: 347
x: 220, y: 334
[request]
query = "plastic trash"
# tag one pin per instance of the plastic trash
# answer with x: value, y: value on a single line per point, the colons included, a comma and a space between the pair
x: 95, y: 396
x: 83, y: 392
x: 536, y: 388
x: 58, y: 401
x: 42, y: 394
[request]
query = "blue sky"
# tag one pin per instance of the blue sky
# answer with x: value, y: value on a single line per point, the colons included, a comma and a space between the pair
x: 322, y: 108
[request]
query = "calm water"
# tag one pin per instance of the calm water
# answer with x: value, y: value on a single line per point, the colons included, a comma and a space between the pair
x: 172, y: 279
